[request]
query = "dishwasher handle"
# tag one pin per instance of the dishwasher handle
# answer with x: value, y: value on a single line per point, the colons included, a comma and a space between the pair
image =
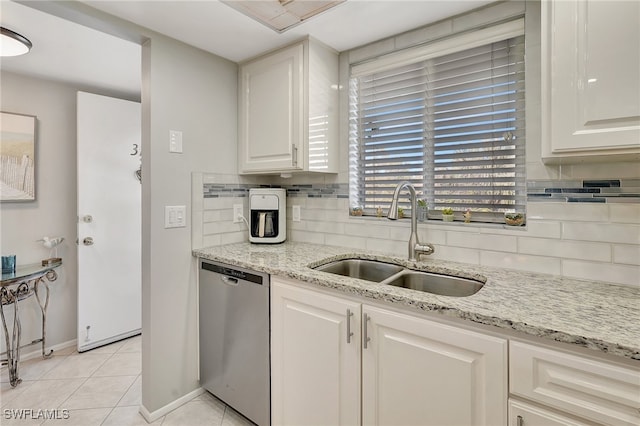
x: 229, y: 280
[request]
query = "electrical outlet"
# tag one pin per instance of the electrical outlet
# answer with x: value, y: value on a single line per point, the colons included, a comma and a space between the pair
x: 296, y: 213
x: 237, y: 213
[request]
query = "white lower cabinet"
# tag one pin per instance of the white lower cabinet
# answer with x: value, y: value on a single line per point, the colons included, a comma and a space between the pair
x: 414, y: 371
x: 591, y: 389
x: 523, y: 414
x: 315, y: 368
x: 420, y: 372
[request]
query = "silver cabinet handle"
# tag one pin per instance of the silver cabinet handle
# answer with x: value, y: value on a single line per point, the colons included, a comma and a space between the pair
x: 519, y: 421
x: 294, y: 153
x: 349, y: 332
x: 88, y: 241
x: 365, y: 337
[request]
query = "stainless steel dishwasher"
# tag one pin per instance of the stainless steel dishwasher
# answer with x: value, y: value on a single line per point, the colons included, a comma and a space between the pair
x: 234, y: 338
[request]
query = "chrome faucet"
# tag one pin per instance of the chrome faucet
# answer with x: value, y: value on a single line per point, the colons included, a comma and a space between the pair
x: 415, y: 248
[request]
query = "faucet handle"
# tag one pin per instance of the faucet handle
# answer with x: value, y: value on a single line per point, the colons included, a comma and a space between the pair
x: 425, y: 249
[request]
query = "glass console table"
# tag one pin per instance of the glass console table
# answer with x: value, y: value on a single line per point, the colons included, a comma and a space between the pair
x: 25, y: 282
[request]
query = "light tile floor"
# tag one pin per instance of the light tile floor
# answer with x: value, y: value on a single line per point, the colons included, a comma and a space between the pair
x: 98, y: 387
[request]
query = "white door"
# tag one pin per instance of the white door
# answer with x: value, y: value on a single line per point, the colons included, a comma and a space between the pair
x: 420, y: 372
x: 109, y: 220
x: 315, y: 369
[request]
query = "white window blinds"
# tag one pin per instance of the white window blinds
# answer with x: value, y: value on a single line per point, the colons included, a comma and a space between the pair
x: 453, y: 125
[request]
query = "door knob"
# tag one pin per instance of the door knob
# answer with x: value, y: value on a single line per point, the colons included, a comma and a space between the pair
x: 88, y: 241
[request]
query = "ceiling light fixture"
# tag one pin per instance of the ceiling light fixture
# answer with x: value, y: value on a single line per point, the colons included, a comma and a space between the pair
x: 12, y: 43
x: 281, y: 15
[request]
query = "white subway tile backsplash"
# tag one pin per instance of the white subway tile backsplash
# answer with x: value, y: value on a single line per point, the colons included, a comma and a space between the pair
x: 546, y: 229
x: 624, y: 213
x: 211, y: 228
x: 369, y: 230
x: 326, y: 227
x: 482, y: 241
x: 306, y: 237
x: 395, y: 248
x: 579, y: 240
x: 234, y: 237
x: 604, y: 232
x: 211, y: 216
x: 628, y: 254
x: 607, y: 272
x: 568, y: 211
x: 345, y: 241
x: 521, y: 262
x: 600, y: 252
x: 455, y: 254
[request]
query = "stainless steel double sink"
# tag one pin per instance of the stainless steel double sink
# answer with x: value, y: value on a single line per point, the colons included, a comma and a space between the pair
x: 399, y: 276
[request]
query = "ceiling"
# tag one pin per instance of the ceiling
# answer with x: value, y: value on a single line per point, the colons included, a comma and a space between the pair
x: 81, y: 55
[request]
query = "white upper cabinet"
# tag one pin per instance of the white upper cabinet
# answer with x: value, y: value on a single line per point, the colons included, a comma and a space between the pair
x: 288, y: 111
x: 590, y: 80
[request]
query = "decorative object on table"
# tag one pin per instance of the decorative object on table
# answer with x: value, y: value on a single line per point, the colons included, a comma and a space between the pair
x: 447, y: 214
x: 514, y: 219
x: 17, y: 156
x: 51, y: 243
x: 356, y: 211
x: 422, y: 210
x: 467, y: 216
x: 9, y: 264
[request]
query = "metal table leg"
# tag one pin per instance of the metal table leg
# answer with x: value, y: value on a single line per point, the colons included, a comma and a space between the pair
x: 51, y: 276
x: 11, y: 297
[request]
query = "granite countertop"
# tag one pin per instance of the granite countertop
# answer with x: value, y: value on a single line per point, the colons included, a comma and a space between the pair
x: 590, y: 314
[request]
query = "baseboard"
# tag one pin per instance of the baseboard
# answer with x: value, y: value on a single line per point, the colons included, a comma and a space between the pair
x: 152, y: 417
x: 36, y: 351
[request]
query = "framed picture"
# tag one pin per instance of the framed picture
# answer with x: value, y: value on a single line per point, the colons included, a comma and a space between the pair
x: 17, y: 157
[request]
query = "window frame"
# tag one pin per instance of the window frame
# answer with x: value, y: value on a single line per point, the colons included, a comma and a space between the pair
x: 457, y: 43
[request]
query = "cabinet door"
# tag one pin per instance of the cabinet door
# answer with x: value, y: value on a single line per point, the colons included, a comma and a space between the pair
x: 521, y: 414
x: 271, y: 112
x: 419, y: 372
x: 315, y: 369
x: 591, y: 83
x: 598, y: 391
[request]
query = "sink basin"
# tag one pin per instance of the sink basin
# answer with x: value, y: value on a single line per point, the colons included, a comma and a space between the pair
x: 369, y: 270
x: 443, y: 285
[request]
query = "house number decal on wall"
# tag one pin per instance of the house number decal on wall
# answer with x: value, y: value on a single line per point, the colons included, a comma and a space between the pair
x: 135, y: 149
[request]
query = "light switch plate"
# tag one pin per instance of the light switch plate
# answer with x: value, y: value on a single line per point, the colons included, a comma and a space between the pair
x: 175, y: 141
x: 175, y: 216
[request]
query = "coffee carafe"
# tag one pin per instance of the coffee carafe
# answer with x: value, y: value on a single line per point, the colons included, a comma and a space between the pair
x: 267, y: 214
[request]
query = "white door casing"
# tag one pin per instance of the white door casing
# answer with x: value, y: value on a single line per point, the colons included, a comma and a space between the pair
x: 109, y: 213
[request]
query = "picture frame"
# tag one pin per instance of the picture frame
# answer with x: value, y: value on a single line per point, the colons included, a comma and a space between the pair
x: 17, y: 157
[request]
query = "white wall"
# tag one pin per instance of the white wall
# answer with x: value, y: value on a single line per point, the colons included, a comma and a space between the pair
x: 54, y: 211
x: 192, y: 91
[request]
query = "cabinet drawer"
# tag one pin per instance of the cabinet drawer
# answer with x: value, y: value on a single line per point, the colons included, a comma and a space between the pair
x: 522, y: 414
x: 591, y: 389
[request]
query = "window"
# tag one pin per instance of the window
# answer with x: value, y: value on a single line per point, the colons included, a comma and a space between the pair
x: 449, y: 118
